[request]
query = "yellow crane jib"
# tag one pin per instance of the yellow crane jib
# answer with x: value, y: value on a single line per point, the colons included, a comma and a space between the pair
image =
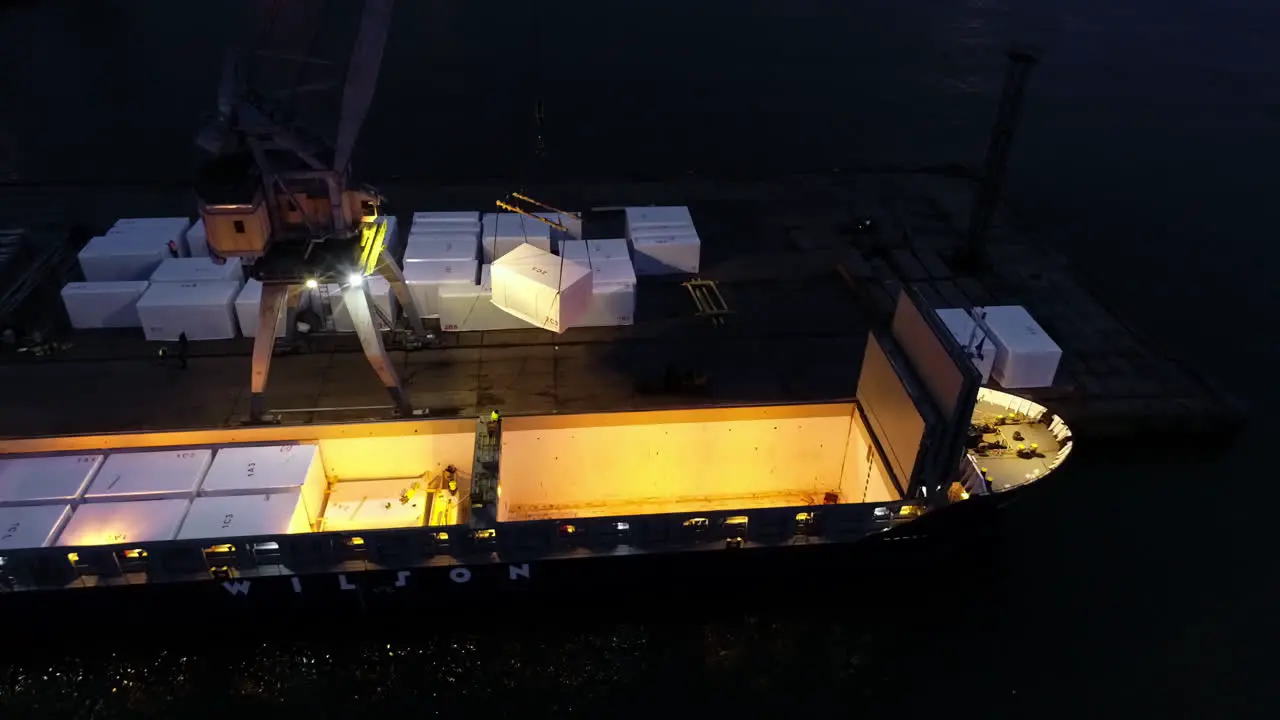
x: 373, y: 237
x: 514, y: 209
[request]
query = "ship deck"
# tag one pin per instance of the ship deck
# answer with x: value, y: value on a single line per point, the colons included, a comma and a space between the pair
x: 802, y: 287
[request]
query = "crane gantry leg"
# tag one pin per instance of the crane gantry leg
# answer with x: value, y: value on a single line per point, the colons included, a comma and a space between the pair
x: 274, y: 299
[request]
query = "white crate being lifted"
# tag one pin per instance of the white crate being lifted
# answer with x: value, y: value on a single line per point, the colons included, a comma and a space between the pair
x: 247, y: 304
x: 541, y: 288
x: 231, y: 516
x: 194, y: 269
x: 125, y: 257
x: 377, y: 505
x: 470, y: 308
x: 154, y: 475
x: 94, y: 305
x: 46, y: 480
x: 114, y: 523
x: 36, y: 526
x: 1026, y: 357
x: 263, y: 469
x: 202, y: 310
x: 972, y: 338
x: 426, y: 279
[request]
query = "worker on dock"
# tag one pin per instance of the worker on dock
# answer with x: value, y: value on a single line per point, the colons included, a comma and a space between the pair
x: 182, y: 350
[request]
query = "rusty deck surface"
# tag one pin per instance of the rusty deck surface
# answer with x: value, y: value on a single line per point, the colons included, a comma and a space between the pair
x: 803, y: 289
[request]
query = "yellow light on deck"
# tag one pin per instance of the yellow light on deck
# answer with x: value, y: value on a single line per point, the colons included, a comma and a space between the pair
x: 224, y: 548
x: 312, y: 284
x: 135, y: 554
x: 73, y: 558
x: 964, y: 496
x: 486, y: 533
x: 442, y: 536
x: 355, y: 541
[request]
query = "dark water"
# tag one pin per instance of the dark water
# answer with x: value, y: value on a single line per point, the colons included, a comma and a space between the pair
x: 1149, y: 147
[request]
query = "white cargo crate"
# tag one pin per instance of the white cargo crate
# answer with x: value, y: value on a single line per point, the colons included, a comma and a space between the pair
x: 44, y: 480
x: 613, y: 294
x: 247, y: 304
x: 616, y: 249
x: 154, y: 475
x: 194, y: 269
x: 1026, y: 357
x: 540, y: 288
x: 426, y: 279
x: 37, y: 526
x: 198, y: 241
x: 202, y: 310
x: 259, y: 469
x: 377, y: 505
x: 662, y: 253
x: 441, y: 248
x: 231, y: 516
x: 93, y: 305
x: 470, y: 308
x: 124, y: 257
x: 641, y: 218
x: 114, y: 523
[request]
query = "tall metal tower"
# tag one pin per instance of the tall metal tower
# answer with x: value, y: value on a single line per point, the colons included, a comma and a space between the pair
x: 997, y: 162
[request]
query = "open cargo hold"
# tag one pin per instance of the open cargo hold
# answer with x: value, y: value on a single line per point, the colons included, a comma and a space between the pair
x: 425, y: 280
x: 269, y: 469
x: 35, y: 526
x: 443, y: 247
x: 613, y: 294
x: 971, y: 337
x: 502, y: 233
x: 687, y: 461
x: 232, y: 516
x: 124, y: 257
x: 94, y: 305
x: 190, y: 269
x: 46, y: 479
x: 380, y: 294
x: 162, y: 475
x: 377, y: 504
x: 1026, y: 357
x: 540, y: 288
x: 202, y: 310
x: 247, y: 304
x: 134, y: 521
x: 470, y: 308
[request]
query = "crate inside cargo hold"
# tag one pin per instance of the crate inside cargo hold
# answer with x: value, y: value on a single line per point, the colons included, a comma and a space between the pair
x: 231, y: 516
x: 157, y: 475
x: 56, y: 479
x: 114, y: 523
x: 377, y: 504
x: 258, y: 469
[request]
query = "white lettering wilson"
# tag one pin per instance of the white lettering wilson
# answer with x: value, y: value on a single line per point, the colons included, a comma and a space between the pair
x: 460, y: 575
x: 518, y: 571
x: 237, y: 588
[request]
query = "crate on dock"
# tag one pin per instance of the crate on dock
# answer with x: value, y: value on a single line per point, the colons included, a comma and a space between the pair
x: 443, y: 247
x: 32, y: 527
x: 170, y: 229
x: 247, y: 303
x: 540, y: 288
x: 469, y: 308
x: 230, y: 516
x: 263, y: 469
x: 614, y: 249
x: 377, y: 505
x: 613, y: 294
x: 135, y: 521
x: 501, y: 233
x: 94, y: 305
x: 202, y: 310
x: 52, y: 479
x: 425, y: 281
x: 158, y: 475
x: 194, y: 269
x: 124, y: 257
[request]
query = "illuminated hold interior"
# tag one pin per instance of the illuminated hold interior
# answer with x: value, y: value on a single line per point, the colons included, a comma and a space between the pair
x: 1041, y: 443
x: 357, y: 477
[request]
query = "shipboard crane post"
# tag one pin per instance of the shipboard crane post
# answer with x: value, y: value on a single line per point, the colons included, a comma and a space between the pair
x: 282, y: 200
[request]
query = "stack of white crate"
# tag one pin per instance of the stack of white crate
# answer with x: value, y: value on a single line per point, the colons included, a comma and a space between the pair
x: 259, y: 490
x: 93, y: 305
x: 117, y: 267
x: 469, y: 307
x: 502, y: 233
x: 194, y: 269
x: 550, y: 292
x: 169, y: 229
x: 441, y: 253
x: 663, y: 240
x: 613, y: 281
x: 376, y: 505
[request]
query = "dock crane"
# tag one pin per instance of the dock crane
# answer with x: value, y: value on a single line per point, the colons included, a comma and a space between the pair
x: 283, y: 201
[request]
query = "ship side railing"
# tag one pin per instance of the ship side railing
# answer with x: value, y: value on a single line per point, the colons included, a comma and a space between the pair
x: 456, y: 545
